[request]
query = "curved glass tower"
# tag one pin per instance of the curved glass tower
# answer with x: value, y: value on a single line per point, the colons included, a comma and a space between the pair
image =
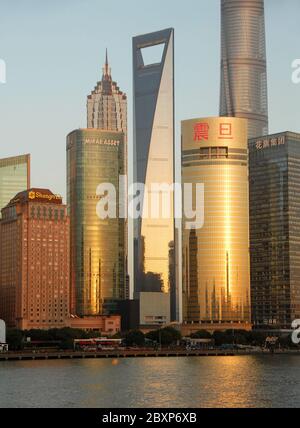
x: 95, y: 156
x: 98, y: 250
x: 216, y: 272
x: 243, y: 64
x: 154, y: 156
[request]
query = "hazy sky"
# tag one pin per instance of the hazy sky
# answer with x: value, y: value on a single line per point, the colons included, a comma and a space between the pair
x: 54, y: 51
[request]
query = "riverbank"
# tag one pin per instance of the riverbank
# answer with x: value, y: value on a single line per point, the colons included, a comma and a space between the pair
x: 120, y: 354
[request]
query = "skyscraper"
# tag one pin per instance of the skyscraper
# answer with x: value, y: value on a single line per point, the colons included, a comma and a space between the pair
x: 107, y: 105
x: 275, y: 229
x: 95, y: 156
x: 154, y: 156
x: 216, y: 271
x: 14, y: 177
x: 34, y: 254
x: 243, y: 64
x: 98, y: 247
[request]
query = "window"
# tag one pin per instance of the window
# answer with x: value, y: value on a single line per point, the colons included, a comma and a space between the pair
x: 214, y: 152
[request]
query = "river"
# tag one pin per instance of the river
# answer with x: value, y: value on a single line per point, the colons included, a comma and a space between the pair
x: 244, y: 381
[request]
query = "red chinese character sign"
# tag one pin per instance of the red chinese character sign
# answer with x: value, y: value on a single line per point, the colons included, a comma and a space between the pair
x: 201, y: 131
x: 225, y: 131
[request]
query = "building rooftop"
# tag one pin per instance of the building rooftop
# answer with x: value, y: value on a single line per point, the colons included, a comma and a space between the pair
x: 288, y: 134
x: 15, y: 160
x: 36, y: 195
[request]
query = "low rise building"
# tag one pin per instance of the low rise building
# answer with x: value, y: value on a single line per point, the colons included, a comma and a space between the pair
x: 106, y: 325
x: 154, y: 309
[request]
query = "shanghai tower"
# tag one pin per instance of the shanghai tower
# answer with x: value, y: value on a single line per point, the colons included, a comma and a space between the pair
x: 244, y: 91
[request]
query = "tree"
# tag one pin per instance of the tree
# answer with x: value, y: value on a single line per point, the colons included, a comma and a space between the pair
x: 15, y: 339
x: 38, y: 335
x: 170, y: 335
x: 286, y: 342
x: 93, y: 334
x: 66, y: 334
x: 117, y: 336
x: 166, y: 336
x: 201, y: 334
x: 135, y: 338
x: 257, y: 338
x: 223, y: 338
x: 240, y: 337
x: 153, y: 336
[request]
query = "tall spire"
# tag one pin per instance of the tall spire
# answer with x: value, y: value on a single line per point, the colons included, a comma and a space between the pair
x: 107, y: 104
x: 106, y: 68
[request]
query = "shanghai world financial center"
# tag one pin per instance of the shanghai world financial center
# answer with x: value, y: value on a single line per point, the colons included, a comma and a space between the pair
x: 154, y: 158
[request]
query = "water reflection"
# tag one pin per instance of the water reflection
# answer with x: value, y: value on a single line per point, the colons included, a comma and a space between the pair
x: 264, y: 381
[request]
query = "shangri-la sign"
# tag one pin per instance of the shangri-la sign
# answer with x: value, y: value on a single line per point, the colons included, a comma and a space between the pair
x: 32, y: 195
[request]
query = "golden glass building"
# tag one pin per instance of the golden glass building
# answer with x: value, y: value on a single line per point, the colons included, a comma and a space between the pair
x: 216, y: 272
x: 98, y: 253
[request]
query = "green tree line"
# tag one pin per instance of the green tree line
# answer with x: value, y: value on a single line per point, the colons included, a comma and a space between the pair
x: 63, y: 338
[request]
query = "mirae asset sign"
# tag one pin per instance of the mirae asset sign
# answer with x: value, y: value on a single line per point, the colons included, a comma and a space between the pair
x: 102, y: 142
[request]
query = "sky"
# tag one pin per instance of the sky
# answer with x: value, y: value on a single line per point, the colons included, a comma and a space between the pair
x: 54, y: 53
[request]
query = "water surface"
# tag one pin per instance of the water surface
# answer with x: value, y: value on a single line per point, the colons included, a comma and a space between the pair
x: 250, y: 381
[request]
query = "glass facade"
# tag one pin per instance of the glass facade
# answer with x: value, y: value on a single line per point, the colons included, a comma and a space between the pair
x: 107, y: 110
x: 275, y: 229
x: 154, y: 159
x: 243, y: 64
x: 216, y: 271
x: 14, y: 177
x: 98, y: 256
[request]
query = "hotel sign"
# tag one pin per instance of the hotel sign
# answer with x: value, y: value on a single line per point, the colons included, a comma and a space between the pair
x: 44, y: 196
x: 267, y: 143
